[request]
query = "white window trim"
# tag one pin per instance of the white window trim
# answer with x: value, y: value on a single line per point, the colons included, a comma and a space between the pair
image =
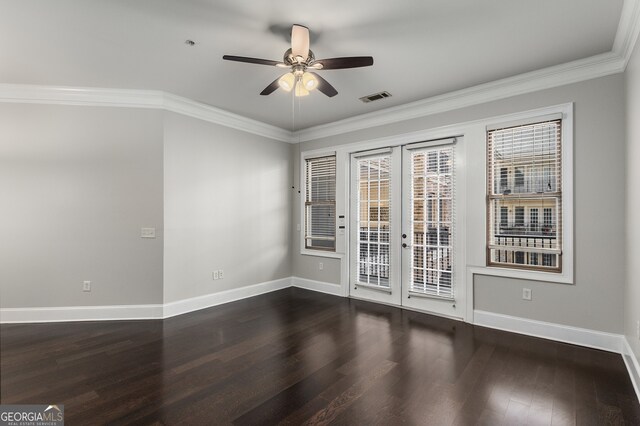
x: 474, y: 131
x: 566, y: 276
x: 303, y: 196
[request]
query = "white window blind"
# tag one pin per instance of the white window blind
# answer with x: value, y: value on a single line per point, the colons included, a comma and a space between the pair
x: 524, y: 182
x: 432, y: 224
x: 374, y: 204
x: 320, y: 203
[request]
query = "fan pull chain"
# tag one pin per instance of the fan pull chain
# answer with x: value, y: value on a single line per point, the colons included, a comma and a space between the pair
x: 293, y: 112
x: 299, y: 114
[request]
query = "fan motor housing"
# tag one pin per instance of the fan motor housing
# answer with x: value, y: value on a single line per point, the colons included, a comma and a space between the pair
x: 289, y: 59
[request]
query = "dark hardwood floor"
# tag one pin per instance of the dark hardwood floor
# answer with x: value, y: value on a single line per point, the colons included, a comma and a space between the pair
x: 296, y: 357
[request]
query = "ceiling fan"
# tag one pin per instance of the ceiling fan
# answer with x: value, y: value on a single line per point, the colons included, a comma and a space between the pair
x: 301, y: 60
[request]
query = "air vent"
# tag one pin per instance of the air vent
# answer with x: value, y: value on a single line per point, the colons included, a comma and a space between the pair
x: 375, y: 97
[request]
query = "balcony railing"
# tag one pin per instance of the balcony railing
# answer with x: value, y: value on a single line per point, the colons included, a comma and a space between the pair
x: 539, y: 251
x: 543, y: 230
x: 529, y: 186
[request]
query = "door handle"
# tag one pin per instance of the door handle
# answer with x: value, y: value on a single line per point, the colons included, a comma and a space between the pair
x: 404, y: 245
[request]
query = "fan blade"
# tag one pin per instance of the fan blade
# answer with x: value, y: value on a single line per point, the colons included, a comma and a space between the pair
x: 341, y: 63
x: 324, y: 86
x: 250, y: 60
x: 300, y: 42
x: 271, y: 88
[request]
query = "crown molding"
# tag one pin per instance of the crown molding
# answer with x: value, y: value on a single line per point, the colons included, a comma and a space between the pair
x: 219, y: 116
x: 609, y: 63
x: 571, y: 72
x: 128, y: 98
x: 546, y: 78
x: 602, y: 65
x: 86, y: 96
x: 628, y: 30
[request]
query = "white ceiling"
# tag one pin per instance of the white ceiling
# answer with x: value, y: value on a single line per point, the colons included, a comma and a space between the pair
x: 421, y: 48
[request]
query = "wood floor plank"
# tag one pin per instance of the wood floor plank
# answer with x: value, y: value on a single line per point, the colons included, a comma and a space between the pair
x: 297, y: 357
x: 343, y: 401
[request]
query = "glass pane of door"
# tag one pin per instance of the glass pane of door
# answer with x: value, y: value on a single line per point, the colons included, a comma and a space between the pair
x: 431, y: 227
x: 375, y: 218
x: 430, y: 270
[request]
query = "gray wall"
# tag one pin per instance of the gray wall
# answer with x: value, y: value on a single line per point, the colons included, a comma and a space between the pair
x: 227, y: 198
x: 596, y: 300
x: 632, y: 291
x: 77, y: 183
x: 76, y: 186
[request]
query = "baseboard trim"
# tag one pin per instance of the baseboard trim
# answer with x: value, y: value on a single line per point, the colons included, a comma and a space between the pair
x: 319, y: 286
x: 137, y: 312
x: 80, y: 313
x: 184, y: 306
x: 562, y: 333
x: 633, y: 366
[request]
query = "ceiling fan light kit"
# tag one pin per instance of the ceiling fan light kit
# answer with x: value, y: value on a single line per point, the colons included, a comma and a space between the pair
x: 302, y: 81
x: 309, y: 81
x: 301, y: 60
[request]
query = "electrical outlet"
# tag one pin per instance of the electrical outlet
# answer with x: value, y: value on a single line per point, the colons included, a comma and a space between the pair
x: 526, y: 293
x: 321, y: 266
x: 86, y: 286
x: 221, y: 273
x: 216, y: 275
x: 298, y: 227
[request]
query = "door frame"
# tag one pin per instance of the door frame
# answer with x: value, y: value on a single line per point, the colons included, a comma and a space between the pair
x: 463, y: 298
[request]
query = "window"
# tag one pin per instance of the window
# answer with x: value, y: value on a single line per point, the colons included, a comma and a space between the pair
x: 504, y: 217
x: 520, y: 217
x: 519, y: 180
x: 547, y: 217
x: 533, y: 219
x: 320, y: 203
x: 504, y: 179
x: 431, y: 217
x: 533, y: 153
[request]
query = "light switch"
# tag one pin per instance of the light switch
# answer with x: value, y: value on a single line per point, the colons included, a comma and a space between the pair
x: 147, y: 232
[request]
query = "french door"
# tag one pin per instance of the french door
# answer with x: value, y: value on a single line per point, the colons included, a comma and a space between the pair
x: 375, y: 225
x: 404, y: 244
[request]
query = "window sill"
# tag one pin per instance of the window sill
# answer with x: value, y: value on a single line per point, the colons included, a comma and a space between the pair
x: 550, y: 277
x: 321, y: 253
